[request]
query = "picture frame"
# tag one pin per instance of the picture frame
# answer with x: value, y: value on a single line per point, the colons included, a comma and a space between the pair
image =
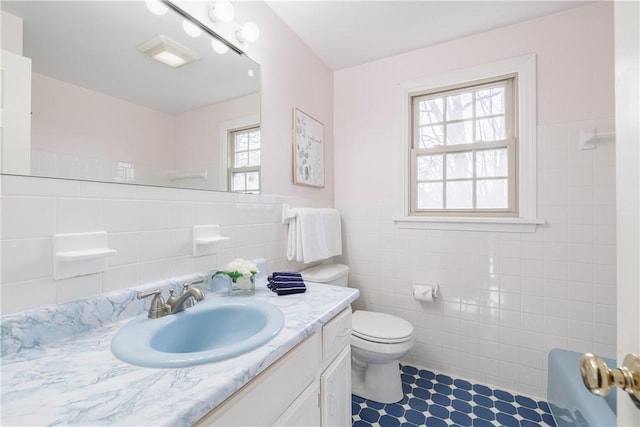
x: 308, y: 150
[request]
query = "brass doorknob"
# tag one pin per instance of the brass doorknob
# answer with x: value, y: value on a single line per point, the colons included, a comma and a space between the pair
x: 598, y: 378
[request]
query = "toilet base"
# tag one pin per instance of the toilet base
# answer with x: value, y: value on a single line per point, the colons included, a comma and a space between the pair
x: 379, y: 382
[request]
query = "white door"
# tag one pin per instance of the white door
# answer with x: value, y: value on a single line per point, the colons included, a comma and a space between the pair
x: 627, y: 65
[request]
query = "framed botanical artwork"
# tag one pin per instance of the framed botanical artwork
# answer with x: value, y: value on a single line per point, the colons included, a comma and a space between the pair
x: 308, y: 150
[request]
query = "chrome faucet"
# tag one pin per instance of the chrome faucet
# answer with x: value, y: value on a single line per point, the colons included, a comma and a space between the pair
x: 160, y: 308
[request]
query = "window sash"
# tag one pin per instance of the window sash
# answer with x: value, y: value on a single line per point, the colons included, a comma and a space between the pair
x: 232, y: 152
x: 509, y: 143
x: 245, y: 171
x: 509, y: 109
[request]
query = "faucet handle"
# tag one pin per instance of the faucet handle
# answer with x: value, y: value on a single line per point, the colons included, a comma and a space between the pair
x: 186, y: 284
x: 172, y: 298
x: 158, y: 306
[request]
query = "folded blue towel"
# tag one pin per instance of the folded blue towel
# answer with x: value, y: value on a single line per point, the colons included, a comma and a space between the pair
x: 281, y: 292
x: 285, y: 283
x: 281, y: 284
x: 286, y: 275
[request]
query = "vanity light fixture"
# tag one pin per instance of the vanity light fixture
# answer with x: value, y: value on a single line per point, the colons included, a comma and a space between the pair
x: 156, y: 7
x: 191, y: 29
x: 249, y: 32
x: 222, y: 11
x: 168, y: 51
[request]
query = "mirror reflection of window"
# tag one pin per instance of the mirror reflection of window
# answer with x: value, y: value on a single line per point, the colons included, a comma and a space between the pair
x: 244, y: 160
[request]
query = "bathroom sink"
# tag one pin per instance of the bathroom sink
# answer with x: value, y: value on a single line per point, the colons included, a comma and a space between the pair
x: 210, y: 331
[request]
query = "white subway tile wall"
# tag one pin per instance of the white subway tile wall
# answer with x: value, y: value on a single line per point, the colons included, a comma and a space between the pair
x: 506, y: 298
x: 150, y: 227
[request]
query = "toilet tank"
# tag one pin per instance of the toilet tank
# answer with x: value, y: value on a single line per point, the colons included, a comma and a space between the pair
x: 332, y: 274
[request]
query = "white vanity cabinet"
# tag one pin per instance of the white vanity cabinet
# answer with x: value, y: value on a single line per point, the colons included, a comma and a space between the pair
x: 308, y: 386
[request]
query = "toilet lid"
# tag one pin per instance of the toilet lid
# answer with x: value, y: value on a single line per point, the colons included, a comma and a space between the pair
x: 380, y: 327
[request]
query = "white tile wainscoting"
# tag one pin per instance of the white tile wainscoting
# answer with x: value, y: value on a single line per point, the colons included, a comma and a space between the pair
x: 150, y: 227
x: 506, y: 298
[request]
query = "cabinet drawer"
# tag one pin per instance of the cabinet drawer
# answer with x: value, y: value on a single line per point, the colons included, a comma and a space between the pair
x: 336, y: 335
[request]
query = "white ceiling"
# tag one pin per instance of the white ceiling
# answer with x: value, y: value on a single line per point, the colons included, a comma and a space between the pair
x: 351, y: 32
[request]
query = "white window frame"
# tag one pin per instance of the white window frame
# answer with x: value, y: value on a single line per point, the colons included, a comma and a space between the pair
x: 524, y: 68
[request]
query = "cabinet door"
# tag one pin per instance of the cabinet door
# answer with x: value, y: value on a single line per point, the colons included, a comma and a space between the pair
x: 305, y: 411
x: 335, y: 391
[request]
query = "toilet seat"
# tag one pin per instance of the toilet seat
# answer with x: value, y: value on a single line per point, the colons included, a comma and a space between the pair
x: 380, y: 327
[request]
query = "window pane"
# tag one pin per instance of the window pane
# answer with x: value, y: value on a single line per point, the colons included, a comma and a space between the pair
x: 254, y: 158
x: 241, y: 160
x: 429, y: 167
x: 254, y: 140
x: 430, y: 111
x: 492, y: 194
x: 253, y: 180
x: 459, y: 165
x: 491, y: 163
x: 460, y: 106
x: 490, y: 101
x: 460, y: 133
x: 237, y: 181
x: 431, y: 136
x: 459, y: 195
x: 429, y: 195
x: 242, y: 141
x: 491, y: 129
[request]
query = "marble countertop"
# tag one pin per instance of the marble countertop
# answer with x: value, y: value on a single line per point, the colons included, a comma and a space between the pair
x: 76, y: 380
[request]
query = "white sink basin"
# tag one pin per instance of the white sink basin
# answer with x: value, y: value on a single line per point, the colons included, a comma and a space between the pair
x: 212, y: 330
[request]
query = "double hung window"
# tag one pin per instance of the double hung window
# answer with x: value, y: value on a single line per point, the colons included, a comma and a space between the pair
x: 244, y: 160
x: 464, y: 150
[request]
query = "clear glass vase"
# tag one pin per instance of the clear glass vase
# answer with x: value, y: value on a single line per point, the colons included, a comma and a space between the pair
x: 245, y: 285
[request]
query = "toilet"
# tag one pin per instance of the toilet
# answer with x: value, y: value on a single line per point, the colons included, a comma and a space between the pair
x: 378, y: 342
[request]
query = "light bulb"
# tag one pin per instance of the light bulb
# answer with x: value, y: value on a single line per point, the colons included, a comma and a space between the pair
x: 222, y: 11
x: 191, y: 29
x: 248, y: 33
x: 251, y: 73
x: 219, y: 47
x: 156, y: 7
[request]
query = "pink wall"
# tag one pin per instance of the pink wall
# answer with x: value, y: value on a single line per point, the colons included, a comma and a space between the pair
x: 292, y: 76
x: 574, y: 75
x: 103, y: 127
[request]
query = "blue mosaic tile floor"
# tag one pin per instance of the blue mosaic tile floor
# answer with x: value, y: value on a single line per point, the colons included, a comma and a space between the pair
x: 437, y: 400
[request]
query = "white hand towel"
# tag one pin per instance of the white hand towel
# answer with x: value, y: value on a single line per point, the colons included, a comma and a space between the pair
x: 318, y: 234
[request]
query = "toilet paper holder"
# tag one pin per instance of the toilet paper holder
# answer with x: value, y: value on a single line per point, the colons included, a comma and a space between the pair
x: 425, y: 292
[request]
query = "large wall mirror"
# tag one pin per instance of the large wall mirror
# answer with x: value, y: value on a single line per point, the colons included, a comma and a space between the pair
x: 83, y: 100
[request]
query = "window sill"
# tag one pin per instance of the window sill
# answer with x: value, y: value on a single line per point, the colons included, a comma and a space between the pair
x: 505, y: 225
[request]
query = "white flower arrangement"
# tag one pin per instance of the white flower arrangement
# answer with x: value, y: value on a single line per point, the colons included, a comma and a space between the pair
x: 239, y: 268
